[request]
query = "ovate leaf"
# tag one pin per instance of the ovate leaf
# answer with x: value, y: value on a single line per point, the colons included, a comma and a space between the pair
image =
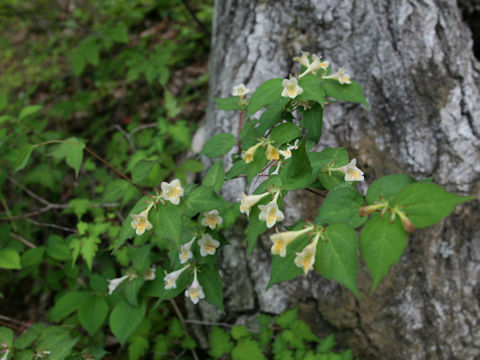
x: 337, y: 256
x: 167, y: 220
x: 267, y: 93
x: 9, y: 259
x: 29, y: 110
x: 312, y: 121
x: 124, y: 319
x: 218, y: 145
x: 92, y: 313
x: 72, y: 150
x: 23, y: 157
x: 348, y: 92
x: 387, y: 187
x: 228, y: 103
x: 215, y: 176
x: 211, y: 283
x: 427, y: 203
x: 341, y: 206
x: 382, y: 245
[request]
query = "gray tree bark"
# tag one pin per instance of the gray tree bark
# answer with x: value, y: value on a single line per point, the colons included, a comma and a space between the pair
x: 415, y: 62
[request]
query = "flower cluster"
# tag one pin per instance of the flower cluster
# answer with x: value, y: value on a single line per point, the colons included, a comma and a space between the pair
x: 272, y: 153
x: 270, y: 213
x: 170, y: 192
x: 148, y: 275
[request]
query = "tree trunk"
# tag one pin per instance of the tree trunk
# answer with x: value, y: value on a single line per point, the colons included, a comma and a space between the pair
x: 416, y: 64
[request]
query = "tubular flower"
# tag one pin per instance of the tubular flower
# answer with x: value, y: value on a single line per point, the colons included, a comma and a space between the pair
x: 303, y: 60
x: 272, y: 153
x: 149, y: 274
x: 250, y: 200
x: 287, y: 153
x: 114, y: 283
x: 341, y: 76
x: 282, y: 239
x: 316, y: 65
x: 270, y: 212
x: 291, y: 88
x: 186, y: 252
x: 240, y: 90
x: 306, y: 258
x: 195, y: 291
x: 248, y: 155
x: 171, y: 279
x: 208, y: 245
x: 172, y: 191
x: 212, y: 219
x: 140, y: 222
x: 5, y: 355
x: 351, y: 171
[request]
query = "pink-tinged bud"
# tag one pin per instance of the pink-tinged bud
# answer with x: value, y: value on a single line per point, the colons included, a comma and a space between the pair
x: 369, y: 209
x: 407, y: 224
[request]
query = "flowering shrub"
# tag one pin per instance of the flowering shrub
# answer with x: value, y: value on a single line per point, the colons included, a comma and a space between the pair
x: 185, y: 222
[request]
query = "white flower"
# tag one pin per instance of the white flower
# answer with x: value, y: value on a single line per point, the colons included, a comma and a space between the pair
x: 195, y: 291
x: 270, y: 212
x: 341, y: 76
x: 114, y: 283
x: 250, y: 200
x: 291, y: 88
x: 5, y: 355
x: 140, y: 222
x: 186, y: 252
x: 304, y: 60
x: 240, y: 90
x: 287, y: 153
x: 208, y: 245
x: 272, y: 153
x: 282, y: 239
x: 211, y: 219
x: 306, y: 258
x: 316, y: 65
x: 351, y: 171
x: 248, y: 155
x: 149, y: 274
x: 171, y: 279
x: 172, y: 191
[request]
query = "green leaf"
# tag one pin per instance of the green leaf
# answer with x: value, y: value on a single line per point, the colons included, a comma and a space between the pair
x: 258, y: 163
x: 203, y: 199
x: 228, y: 103
x: 271, y: 116
x: 297, y: 172
x: 89, y: 248
x: 29, y: 111
x: 247, y: 350
x: 329, y: 158
x: 209, y: 279
x: 220, y: 343
x: 92, y: 313
x: 336, y: 258
x: 239, y: 167
x: 23, y: 157
x: 284, y: 268
x: 124, y: 319
x: 78, y: 61
x: 66, y: 304
x: 137, y: 348
x: 267, y: 93
x: 3, y: 101
x: 156, y: 287
x: 256, y: 227
x: 142, y: 169
x: 72, y: 150
x: 287, y: 318
x: 381, y: 245
x: 348, y: 92
x: 312, y: 86
x: 312, y: 121
x: 118, y: 32
x: 192, y: 166
x: 120, y: 189
x: 218, y: 145
x: 131, y: 289
x: 141, y: 258
x: 341, y: 206
x: 215, y: 176
x: 168, y: 220
x: 240, y: 331
x: 6, y: 335
x: 9, y: 259
x: 32, y: 257
x: 57, y: 339
x: 427, y: 204
x: 284, y: 133
x: 80, y: 206
x: 387, y: 187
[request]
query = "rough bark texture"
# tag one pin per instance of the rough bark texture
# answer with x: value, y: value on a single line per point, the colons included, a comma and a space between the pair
x: 416, y: 64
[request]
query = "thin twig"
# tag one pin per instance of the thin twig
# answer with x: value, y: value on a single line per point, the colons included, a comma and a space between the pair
x: 29, y: 192
x: 55, y: 226
x: 23, y: 240
x: 127, y: 136
x: 315, y: 192
x: 143, y: 127
x: 239, y: 142
x: 182, y: 320
x: 14, y: 321
x: 200, y: 24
